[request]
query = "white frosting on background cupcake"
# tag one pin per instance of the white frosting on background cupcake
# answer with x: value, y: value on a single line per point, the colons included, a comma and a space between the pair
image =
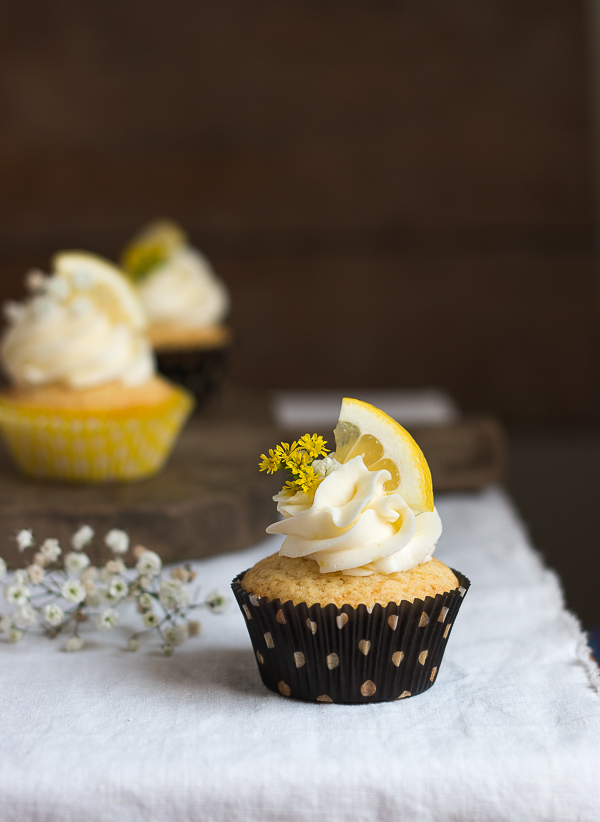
x: 81, y: 328
x: 184, y: 290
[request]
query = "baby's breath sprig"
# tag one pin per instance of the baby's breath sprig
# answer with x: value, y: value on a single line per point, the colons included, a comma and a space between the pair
x: 297, y: 459
x: 55, y: 593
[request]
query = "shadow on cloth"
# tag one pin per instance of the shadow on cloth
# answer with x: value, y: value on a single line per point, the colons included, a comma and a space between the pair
x: 206, y: 671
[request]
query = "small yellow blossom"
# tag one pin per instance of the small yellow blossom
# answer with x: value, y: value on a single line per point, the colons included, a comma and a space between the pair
x: 313, y: 445
x: 285, y: 450
x: 271, y: 463
x: 297, y: 459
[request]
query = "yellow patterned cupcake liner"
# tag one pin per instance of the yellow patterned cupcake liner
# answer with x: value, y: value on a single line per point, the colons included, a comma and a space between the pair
x: 93, y: 446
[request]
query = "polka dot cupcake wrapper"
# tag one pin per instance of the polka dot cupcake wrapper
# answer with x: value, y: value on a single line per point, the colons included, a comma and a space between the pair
x: 94, y: 447
x: 350, y: 655
x: 200, y: 371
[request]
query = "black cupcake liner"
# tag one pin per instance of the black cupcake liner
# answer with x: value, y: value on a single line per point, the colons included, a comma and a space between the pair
x: 199, y: 370
x: 350, y: 655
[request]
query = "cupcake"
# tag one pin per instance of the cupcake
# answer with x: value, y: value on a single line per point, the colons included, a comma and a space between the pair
x: 84, y: 402
x: 186, y: 304
x: 353, y: 608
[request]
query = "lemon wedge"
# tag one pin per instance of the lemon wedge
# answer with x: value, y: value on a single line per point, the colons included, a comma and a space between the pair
x: 152, y: 247
x: 364, y: 430
x: 88, y: 277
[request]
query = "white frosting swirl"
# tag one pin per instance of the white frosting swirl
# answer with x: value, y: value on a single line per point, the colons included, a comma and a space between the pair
x: 353, y: 525
x: 186, y: 290
x: 74, y: 344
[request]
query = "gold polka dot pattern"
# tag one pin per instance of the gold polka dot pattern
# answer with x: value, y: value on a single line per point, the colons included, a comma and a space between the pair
x: 333, y: 661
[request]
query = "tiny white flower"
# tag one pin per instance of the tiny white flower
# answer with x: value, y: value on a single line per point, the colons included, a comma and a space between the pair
x: 39, y: 559
x: 117, y: 541
x: 150, y: 619
x: 50, y: 550
x: 217, y: 601
x: 108, y: 619
x: 21, y: 577
x: 16, y: 594
x: 5, y: 623
x: 133, y: 644
x: 25, y: 616
x: 149, y: 563
x: 326, y: 466
x: 115, y: 566
x: 118, y: 588
x: 173, y: 594
x: 145, y: 602
x: 14, y: 635
x: 73, y: 591
x: 2, y: 568
x: 53, y: 614
x: 177, y: 635
x: 89, y: 575
x: 35, y: 573
x: 82, y: 537
x: 74, y: 643
x: 24, y: 539
x: 75, y: 561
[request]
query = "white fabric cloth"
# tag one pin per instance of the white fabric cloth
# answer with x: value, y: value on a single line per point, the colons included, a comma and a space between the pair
x: 509, y: 731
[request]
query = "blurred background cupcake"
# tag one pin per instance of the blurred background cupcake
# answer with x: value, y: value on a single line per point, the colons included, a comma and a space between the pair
x: 186, y: 304
x: 84, y: 402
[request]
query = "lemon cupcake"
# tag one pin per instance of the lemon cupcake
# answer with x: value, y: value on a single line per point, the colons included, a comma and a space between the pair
x: 186, y: 304
x: 353, y: 608
x: 85, y: 403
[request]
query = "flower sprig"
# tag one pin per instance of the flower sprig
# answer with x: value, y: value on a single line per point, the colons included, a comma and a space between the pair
x: 55, y: 593
x: 297, y: 459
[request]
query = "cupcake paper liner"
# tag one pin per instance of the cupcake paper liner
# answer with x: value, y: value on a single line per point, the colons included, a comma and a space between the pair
x: 201, y: 371
x: 91, y: 446
x: 350, y: 655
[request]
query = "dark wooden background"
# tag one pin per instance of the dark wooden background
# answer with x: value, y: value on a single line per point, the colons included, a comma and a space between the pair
x: 397, y: 193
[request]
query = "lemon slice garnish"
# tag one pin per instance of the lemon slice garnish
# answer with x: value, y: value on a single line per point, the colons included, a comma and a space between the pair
x: 86, y: 277
x: 151, y: 248
x: 364, y: 430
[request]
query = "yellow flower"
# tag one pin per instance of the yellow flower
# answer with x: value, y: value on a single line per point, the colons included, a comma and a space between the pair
x: 271, y: 463
x: 291, y: 487
x: 308, y: 480
x: 285, y: 450
x: 313, y: 445
x: 296, y: 461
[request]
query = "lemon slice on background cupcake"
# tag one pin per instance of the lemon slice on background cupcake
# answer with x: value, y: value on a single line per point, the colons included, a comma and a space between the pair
x: 186, y: 303
x: 82, y: 275
x: 85, y: 403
